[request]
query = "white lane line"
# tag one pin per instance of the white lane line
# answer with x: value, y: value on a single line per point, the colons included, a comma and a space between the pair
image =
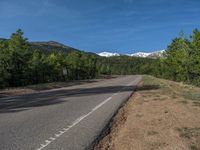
x: 115, y: 94
x: 51, y: 139
x: 98, y: 106
x: 132, y: 83
x: 64, y: 130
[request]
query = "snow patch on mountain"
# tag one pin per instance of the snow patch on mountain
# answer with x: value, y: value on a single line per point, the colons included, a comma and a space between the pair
x: 140, y: 54
x: 154, y: 54
x: 108, y: 54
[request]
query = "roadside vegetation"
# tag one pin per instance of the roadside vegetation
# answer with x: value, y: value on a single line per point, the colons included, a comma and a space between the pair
x: 161, y: 114
x: 24, y: 64
x: 180, y: 62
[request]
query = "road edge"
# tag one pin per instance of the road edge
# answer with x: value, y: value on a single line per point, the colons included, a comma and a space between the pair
x: 107, y: 129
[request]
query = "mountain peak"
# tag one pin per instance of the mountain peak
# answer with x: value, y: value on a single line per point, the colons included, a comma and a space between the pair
x: 108, y: 54
x: 155, y: 54
x: 50, y: 43
x: 140, y: 54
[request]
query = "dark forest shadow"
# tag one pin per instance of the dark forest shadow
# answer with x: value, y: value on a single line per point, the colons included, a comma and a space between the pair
x: 25, y: 102
x: 50, y: 86
x: 43, y: 87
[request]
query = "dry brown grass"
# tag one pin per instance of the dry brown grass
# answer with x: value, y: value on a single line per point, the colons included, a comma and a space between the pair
x: 162, y: 115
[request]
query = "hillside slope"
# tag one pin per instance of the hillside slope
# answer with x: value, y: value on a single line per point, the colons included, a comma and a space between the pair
x: 52, y: 46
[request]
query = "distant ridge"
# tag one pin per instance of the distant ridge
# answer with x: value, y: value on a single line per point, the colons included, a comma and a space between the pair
x: 50, y: 46
x: 155, y: 54
x: 50, y: 43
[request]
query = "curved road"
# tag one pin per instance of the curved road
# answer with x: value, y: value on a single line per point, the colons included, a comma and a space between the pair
x: 69, y: 118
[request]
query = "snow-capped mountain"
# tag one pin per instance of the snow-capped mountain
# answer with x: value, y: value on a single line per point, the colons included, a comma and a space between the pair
x: 155, y: 54
x: 140, y: 54
x: 108, y: 54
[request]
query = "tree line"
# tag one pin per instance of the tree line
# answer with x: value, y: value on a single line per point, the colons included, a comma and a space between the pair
x: 22, y: 65
x: 125, y: 65
x: 180, y: 62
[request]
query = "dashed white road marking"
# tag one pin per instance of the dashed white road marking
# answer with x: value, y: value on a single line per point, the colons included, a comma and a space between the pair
x: 115, y: 94
x: 64, y: 130
x: 98, y: 106
x: 131, y: 83
x: 78, y: 120
x: 52, y: 139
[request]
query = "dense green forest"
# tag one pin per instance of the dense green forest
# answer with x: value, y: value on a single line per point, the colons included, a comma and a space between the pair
x: 125, y: 65
x: 23, y: 63
x: 180, y: 62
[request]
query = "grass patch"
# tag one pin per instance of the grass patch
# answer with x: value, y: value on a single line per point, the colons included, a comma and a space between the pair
x: 150, y: 81
x: 139, y: 115
x: 192, y: 95
x: 193, y: 147
x: 150, y: 133
x: 174, y: 96
x: 183, y: 102
x: 159, y: 99
x: 189, y: 132
x: 176, y: 93
x: 196, y: 103
x: 174, y: 89
x: 166, y: 111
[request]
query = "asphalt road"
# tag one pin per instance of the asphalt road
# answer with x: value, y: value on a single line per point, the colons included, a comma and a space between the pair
x: 62, y: 119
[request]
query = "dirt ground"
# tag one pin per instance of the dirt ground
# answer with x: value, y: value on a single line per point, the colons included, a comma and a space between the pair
x: 161, y: 115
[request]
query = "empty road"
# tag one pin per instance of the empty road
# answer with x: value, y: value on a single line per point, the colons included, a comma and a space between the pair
x: 69, y: 118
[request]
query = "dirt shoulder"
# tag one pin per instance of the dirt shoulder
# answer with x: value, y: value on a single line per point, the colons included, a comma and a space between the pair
x: 162, y: 115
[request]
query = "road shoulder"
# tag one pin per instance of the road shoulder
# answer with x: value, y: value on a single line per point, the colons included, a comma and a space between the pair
x: 160, y: 115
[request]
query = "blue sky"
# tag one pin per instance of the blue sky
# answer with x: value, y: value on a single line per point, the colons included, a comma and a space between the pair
x: 123, y: 26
